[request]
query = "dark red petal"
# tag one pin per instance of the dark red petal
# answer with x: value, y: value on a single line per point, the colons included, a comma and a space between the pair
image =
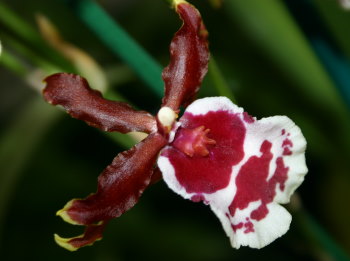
x: 189, y: 56
x: 81, y: 102
x: 119, y: 186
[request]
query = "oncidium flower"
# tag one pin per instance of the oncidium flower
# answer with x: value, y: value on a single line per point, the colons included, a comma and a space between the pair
x: 216, y: 153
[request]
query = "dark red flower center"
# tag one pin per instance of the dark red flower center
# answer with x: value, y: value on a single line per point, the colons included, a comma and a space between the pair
x: 194, y: 142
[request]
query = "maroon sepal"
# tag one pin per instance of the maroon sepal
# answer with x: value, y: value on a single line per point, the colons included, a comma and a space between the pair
x: 189, y: 56
x: 81, y: 102
x: 119, y: 186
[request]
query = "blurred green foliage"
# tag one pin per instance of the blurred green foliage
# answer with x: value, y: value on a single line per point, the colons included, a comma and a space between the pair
x: 265, y: 55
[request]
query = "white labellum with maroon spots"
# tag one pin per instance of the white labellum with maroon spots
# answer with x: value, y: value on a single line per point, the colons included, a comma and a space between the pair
x: 242, y: 167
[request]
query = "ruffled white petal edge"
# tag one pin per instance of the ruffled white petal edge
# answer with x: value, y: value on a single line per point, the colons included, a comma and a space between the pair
x: 274, y: 129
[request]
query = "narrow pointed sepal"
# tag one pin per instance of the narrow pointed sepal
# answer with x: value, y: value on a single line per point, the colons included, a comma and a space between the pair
x: 80, y: 101
x: 92, y: 234
x: 189, y: 56
x: 119, y: 186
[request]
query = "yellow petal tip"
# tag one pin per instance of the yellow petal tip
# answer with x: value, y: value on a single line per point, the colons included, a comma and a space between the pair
x: 63, y: 242
x: 177, y: 2
x: 64, y: 215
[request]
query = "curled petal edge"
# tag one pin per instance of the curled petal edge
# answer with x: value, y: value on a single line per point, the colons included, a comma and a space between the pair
x: 80, y: 101
x: 189, y: 57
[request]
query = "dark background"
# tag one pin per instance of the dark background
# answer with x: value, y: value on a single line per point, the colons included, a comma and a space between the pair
x: 299, y: 69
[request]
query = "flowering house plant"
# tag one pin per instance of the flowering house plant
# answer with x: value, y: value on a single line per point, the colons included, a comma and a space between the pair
x: 243, y: 168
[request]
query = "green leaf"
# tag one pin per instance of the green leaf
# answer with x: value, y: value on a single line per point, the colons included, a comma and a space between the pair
x: 218, y: 81
x: 275, y: 32
x: 30, y: 55
x: 318, y: 236
x: 24, y: 31
x: 13, y: 64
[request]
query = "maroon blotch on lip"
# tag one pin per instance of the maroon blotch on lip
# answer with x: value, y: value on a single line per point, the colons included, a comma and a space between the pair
x: 213, y: 172
x: 252, y: 184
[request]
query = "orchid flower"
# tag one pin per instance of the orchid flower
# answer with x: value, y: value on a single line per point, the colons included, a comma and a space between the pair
x: 243, y: 168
